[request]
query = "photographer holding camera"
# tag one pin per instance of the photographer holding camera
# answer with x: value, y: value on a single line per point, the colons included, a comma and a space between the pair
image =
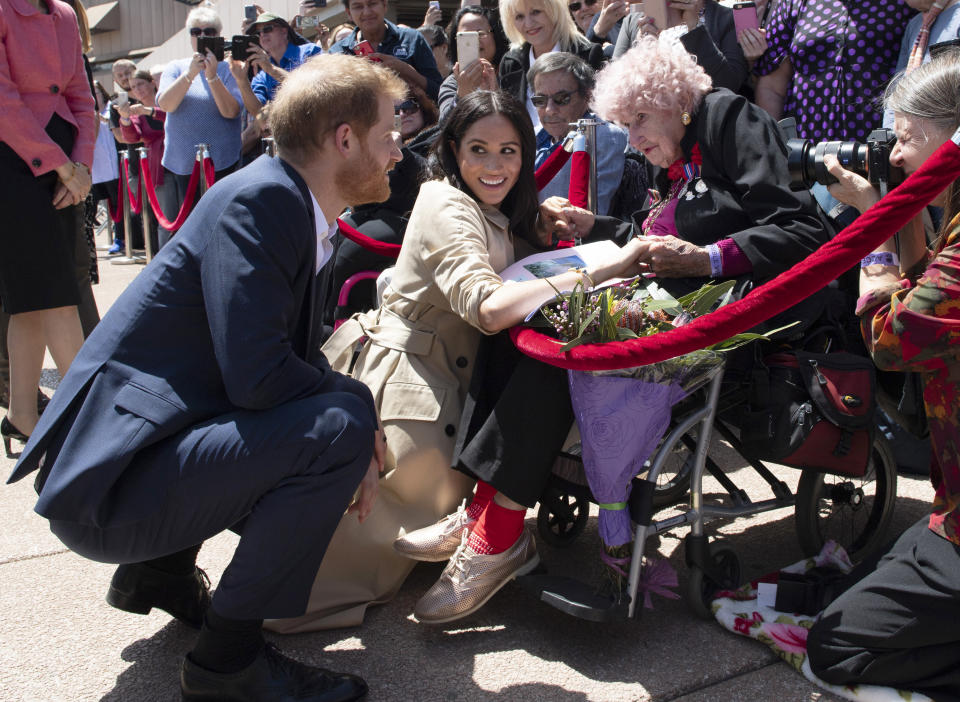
x: 895, y: 625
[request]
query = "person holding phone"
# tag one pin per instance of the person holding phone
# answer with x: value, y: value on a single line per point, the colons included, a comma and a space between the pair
x: 480, y: 72
x: 276, y: 55
x: 535, y: 28
x: 401, y: 49
x: 203, y: 105
x: 704, y: 27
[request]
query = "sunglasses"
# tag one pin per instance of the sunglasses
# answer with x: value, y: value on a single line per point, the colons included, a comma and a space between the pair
x: 266, y: 30
x: 559, y: 99
x: 410, y: 107
x: 575, y: 6
x: 205, y: 31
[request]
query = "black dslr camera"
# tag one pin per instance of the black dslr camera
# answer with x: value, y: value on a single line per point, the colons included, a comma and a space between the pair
x: 870, y: 160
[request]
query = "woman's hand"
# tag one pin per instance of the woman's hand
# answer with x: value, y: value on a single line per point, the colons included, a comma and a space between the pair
x: 623, y: 264
x: 611, y: 12
x: 648, y: 28
x: 210, y: 66
x: 73, y: 186
x: 670, y: 257
x: 851, y: 189
x: 245, y: 24
x: 557, y: 217
x: 753, y: 42
x: 478, y: 75
x: 123, y: 110
x: 689, y: 12
x: 140, y: 111
x: 197, y: 66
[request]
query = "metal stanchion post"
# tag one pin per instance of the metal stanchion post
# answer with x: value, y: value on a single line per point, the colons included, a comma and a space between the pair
x: 269, y: 146
x: 588, y: 127
x: 203, y: 153
x: 145, y: 207
x: 127, y: 258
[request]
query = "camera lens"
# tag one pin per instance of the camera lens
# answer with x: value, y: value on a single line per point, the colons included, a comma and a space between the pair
x: 852, y: 156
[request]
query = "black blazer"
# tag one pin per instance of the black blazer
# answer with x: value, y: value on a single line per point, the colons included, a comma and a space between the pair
x: 512, y: 74
x: 743, y: 190
x: 225, y: 318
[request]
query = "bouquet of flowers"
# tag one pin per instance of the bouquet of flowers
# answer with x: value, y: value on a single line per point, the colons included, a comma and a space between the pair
x: 624, y: 414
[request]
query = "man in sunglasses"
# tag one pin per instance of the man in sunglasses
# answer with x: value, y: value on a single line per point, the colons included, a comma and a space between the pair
x: 277, y: 55
x: 562, y: 84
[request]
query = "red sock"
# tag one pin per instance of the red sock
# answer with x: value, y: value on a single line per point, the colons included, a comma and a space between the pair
x: 497, y: 529
x: 482, y: 497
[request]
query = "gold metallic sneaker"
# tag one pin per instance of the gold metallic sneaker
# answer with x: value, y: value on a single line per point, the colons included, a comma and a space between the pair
x: 437, y: 542
x: 470, y: 579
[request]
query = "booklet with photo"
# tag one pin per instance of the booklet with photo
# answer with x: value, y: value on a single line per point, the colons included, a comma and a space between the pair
x: 557, y: 261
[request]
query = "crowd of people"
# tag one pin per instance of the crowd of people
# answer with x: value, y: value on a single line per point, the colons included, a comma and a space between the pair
x: 228, y: 388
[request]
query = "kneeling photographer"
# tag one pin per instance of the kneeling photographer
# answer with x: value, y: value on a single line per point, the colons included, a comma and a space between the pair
x: 895, y: 625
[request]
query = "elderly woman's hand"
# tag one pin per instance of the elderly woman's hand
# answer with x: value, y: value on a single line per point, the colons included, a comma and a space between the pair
x: 851, y: 189
x: 557, y: 217
x: 210, y: 66
x: 648, y: 27
x: 73, y: 186
x: 670, y: 257
x: 612, y: 12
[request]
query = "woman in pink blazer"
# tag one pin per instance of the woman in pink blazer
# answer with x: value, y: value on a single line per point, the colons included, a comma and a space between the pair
x: 47, y: 135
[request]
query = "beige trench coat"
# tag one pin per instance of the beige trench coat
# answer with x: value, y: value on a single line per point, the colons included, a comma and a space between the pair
x: 417, y: 362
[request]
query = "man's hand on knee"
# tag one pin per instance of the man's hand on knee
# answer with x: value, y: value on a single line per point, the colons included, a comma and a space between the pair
x: 370, y: 484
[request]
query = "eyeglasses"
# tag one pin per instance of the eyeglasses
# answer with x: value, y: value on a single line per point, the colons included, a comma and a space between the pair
x: 575, y: 6
x: 266, y: 29
x: 559, y: 99
x: 411, y: 107
x: 205, y: 31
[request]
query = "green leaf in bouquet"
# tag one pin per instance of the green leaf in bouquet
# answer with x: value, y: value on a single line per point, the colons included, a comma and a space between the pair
x: 706, y: 297
x: 586, y: 323
x: 668, y: 306
x: 580, y: 340
x: 658, y: 296
x: 624, y: 333
x: 738, y: 340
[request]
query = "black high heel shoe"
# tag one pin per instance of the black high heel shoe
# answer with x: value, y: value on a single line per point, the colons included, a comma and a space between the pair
x: 8, y: 431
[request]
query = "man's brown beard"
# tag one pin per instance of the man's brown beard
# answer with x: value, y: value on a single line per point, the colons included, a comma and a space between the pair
x: 362, y: 181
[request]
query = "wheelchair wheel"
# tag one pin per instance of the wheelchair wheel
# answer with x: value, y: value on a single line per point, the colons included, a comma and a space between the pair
x: 562, y: 515
x: 701, y: 588
x: 854, y: 512
x: 673, y: 482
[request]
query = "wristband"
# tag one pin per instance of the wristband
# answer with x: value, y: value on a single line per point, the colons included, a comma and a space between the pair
x: 213, y: 80
x: 716, y: 261
x: 884, y: 258
x: 584, y: 275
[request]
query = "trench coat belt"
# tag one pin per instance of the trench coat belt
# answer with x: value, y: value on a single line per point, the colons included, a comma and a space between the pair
x: 395, y: 332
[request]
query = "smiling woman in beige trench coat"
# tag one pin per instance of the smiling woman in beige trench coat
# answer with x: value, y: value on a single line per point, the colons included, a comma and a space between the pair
x: 421, y: 345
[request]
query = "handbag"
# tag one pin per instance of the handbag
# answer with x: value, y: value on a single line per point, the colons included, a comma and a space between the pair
x: 811, y: 410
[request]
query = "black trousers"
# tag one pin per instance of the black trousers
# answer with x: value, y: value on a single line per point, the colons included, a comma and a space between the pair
x: 900, y: 624
x: 288, y: 473
x: 515, y: 420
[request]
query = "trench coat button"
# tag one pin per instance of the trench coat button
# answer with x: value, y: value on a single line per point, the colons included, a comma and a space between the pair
x: 450, y: 430
x: 54, y: 89
x: 37, y: 163
x: 461, y: 362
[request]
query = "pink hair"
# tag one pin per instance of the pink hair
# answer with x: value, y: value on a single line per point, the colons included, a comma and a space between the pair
x: 653, y: 74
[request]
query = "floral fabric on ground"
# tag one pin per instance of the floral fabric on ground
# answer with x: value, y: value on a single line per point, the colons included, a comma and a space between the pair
x: 786, y: 634
x: 915, y: 326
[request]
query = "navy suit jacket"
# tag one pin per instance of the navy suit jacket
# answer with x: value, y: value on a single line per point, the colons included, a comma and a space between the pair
x: 223, y: 319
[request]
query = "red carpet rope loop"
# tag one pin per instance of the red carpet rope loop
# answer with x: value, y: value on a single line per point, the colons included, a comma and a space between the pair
x: 147, y: 181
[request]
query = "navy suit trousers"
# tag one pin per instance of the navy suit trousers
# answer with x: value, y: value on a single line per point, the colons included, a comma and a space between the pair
x: 288, y: 473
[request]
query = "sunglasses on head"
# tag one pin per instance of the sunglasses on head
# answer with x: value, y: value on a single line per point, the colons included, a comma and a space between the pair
x: 408, y: 106
x: 575, y: 6
x: 205, y: 31
x: 559, y: 99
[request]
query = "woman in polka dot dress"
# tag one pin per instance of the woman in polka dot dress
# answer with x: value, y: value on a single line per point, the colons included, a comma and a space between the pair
x: 828, y: 62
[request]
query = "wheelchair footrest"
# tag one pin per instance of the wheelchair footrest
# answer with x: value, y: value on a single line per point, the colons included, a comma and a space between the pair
x: 574, y: 597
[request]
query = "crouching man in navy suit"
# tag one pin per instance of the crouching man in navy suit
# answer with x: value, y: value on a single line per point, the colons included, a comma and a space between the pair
x: 202, y: 402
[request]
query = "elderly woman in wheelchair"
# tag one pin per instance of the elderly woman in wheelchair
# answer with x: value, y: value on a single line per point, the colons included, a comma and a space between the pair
x: 723, y: 209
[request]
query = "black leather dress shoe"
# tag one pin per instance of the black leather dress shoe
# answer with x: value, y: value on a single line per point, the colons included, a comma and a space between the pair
x: 272, y: 677
x: 138, y: 588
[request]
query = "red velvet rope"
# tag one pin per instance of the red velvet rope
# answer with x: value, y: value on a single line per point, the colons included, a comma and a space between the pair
x: 117, y: 214
x: 872, y: 228
x: 147, y: 181
x: 209, y: 174
x: 135, y: 205
x: 377, y: 247
x: 549, y: 168
x: 578, y: 194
